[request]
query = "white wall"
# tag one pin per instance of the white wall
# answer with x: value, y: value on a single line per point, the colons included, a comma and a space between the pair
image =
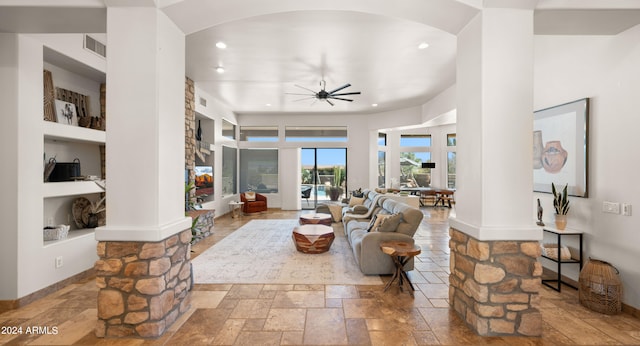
x: 27, y: 264
x: 216, y: 111
x: 607, y: 70
x: 9, y: 175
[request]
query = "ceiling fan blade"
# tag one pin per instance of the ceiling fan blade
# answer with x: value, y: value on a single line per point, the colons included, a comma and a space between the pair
x: 331, y: 103
x: 304, y: 98
x: 340, y: 98
x: 301, y: 94
x: 344, y: 94
x: 299, y: 86
x: 340, y: 88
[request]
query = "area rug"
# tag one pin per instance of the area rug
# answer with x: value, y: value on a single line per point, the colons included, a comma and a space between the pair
x: 262, y: 252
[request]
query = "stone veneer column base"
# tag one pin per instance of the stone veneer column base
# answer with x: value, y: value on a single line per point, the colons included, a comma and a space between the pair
x: 494, y: 285
x: 144, y: 286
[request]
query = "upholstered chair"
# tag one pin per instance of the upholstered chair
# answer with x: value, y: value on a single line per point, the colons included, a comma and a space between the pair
x: 253, y: 202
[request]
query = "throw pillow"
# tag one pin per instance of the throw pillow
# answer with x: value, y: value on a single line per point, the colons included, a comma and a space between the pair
x: 390, y: 223
x: 250, y: 196
x: 353, y: 201
x: 376, y: 221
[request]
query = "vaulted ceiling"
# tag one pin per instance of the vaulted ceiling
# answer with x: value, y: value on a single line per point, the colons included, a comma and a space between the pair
x: 275, y: 48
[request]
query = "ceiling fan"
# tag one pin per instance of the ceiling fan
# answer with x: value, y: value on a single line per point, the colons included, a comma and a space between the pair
x: 324, y: 95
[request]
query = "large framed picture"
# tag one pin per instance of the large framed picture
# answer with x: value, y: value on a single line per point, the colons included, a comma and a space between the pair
x: 66, y: 113
x: 560, y: 147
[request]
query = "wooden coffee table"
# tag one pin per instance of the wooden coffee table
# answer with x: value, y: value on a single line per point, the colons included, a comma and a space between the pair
x: 315, y: 219
x: 313, y: 239
x: 401, y: 252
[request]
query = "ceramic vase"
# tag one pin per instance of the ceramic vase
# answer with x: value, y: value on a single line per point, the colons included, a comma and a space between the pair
x: 554, y: 157
x: 561, y: 222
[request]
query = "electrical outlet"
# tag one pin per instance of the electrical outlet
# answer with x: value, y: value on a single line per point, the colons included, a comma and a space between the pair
x: 59, y: 262
x: 611, y: 207
x: 626, y: 209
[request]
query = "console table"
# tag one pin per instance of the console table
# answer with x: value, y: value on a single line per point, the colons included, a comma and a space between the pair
x: 559, y: 261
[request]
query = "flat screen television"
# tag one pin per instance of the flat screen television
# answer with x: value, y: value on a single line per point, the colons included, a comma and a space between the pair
x: 204, y: 180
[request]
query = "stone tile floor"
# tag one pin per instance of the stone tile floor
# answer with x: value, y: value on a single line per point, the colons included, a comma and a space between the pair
x: 322, y: 314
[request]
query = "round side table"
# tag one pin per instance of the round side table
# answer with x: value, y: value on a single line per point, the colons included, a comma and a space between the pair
x: 236, y: 208
x: 400, y: 252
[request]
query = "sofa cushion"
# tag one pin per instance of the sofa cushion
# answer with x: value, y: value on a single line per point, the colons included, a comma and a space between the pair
x: 250, y: 196
x: 390, y: 223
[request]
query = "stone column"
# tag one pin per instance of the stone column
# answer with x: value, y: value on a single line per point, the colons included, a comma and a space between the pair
x: 144, y: 270
x: 495, y: 276
x: 190, y: 127
x: 494, y: 285
x: 144, y: 286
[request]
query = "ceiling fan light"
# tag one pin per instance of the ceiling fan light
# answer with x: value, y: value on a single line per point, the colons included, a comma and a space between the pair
x: 220, y: 69
x: 423, y: 45
x: 221, y: 45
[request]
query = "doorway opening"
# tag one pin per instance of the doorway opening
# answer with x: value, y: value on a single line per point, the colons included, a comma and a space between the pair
x: 324, y: 175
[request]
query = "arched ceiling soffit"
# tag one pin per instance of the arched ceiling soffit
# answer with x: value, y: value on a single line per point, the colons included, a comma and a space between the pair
x: 195, y: 15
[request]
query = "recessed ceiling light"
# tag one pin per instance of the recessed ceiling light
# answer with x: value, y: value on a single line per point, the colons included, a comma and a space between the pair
x: 423, y: 45
x: 268, y: 105
x: 374, y: 105
x: 220, y: 69
x: 221, y: 45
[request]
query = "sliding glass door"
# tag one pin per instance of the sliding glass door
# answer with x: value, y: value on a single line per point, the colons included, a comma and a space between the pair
x: 324, y: 175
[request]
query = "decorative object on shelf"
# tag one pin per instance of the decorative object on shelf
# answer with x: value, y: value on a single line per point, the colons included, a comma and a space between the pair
x: 199, y: 131
x: 91, y: 214
x: 100, y: 123
x: 81, y: 103
x: 66, y: 113
x: 540, y: 210
x: 49, y: 97
x: 48, y: 168
x: 58, y: 232
x: 561, y: 205
x: 600, y: 287
x: 551, y: 250
x: 564, y: 131
x: 88, y: 214
x: 65, y: 171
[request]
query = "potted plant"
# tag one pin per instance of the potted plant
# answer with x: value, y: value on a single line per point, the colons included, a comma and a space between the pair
x: 561, y: 205
x: 336, y: 190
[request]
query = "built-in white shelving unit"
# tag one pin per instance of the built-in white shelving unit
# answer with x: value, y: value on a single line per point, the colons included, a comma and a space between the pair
x: 67, y: 142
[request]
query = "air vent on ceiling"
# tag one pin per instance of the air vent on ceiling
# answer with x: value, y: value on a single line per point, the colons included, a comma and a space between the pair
x: 203, y: 102
x: 95, y: 46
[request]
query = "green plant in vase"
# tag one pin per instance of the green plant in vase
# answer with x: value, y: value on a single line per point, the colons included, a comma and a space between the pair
x: 561, y: 205
x: 336, y: 190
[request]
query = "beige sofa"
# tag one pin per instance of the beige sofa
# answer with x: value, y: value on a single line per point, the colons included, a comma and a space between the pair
x: 366, y: 244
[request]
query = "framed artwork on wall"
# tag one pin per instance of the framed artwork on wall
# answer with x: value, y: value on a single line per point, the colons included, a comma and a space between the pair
x: 560, y: 147
x: 66, y: 113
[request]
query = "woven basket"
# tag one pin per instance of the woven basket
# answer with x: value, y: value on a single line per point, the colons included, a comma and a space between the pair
x: 600, y: 288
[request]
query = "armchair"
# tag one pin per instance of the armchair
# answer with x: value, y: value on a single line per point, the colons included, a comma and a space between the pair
x: 253, y: 202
